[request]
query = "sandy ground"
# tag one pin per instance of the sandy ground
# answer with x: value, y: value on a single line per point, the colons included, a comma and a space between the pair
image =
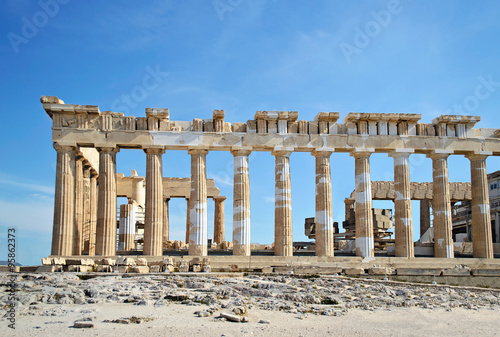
x: 180, y: 320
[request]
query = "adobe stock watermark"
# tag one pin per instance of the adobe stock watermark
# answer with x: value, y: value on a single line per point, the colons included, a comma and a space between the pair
x: 364, y: 36
x: 150, y: 82
x: 223, y: 6
x: 483, y: 91
x: 30, y: 28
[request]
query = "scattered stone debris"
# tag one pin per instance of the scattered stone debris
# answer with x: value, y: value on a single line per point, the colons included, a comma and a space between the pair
x: 53, y: 295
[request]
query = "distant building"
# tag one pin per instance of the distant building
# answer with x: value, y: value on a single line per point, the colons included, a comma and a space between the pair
x: 462, y: 214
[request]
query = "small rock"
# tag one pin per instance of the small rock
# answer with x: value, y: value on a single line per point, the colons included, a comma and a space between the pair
x: 203, y: 313
x: 83, y: 325
x: 264, y: 321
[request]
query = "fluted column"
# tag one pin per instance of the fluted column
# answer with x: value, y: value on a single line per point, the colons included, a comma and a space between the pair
x: 165, y: 221
x: 106, y: 203
x: 219, y: 221
x: 363, y: 208
x: 283, y: 240
x: 324, y: 214
x: 482, y: 241
x: 93, y: 211
x: 402, y: 204
x: 241, y: 203
x: 198, y: 229
x: 86, y: 208
x: 138, y: 190
x: 425, y: 216
x: 126, y: 233
x: 443, y: 241
x: 78, y: 229
x: 188, y: 220
x: 153, y: 227
x: 64, y: 201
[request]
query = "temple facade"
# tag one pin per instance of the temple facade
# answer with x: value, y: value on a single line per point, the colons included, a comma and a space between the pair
x: 87, y: 140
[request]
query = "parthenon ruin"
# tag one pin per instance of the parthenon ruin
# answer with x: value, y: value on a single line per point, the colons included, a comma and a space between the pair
x: 87, y: 140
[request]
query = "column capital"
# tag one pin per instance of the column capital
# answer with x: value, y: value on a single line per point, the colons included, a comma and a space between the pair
x: 219, y: 198
x: 108, y: 149
x: 241, y: 150
x: 154, y: 150
x: 478, y: 155
x: 362, y: 153
x: 197, y: 151
x: 321, y: 153
x: 401, y: 153
x: 440, y: 154
x: 60, y: 147
x: 93, y: 173
x: 281, y: 151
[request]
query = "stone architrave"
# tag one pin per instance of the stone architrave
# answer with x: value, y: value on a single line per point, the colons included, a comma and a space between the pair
x: 64, y: 201
x: 219, y: 223
x: 153, y: 227
x: 283, y: 239
x: 241, y: 203
x: 365, y: 246
x: 482, y: 241
x: 78, y: 229
x: 198, y: 229
x: 106, y: 203
x: 402, y: 204
x: 324, y: 214
x: 441, y: 204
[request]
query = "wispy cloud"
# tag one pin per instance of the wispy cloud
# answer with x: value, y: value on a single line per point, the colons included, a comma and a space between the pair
x: 17, y: 182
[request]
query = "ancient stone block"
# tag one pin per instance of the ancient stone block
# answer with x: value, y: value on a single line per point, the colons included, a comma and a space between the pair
x: 104, y: 268
x: 418, y: 271
x: 141, y: 262
x: 139, y: 269
x: 381, y: 271
x: 354, y: 271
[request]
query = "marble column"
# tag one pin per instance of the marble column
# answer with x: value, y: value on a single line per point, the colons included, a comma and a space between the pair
x: 106, y: 203
x: 283, y: 240
x: 363, y: 207
x: 443, y: 241
x: 153, y: 226
x: 165, y: 221
x: 64, y: 201
x: 219, y: 221
x: 188, y: 220
x: 324, y: 214
x: 126, y: 233
x: 93, y: 211
x: 241, y: 203
x: 138, y: 190
x: 402, y: 203
x: 86, y: 208
x: 78, y: 227
x: 198, y: 229
x: 482, y: 241
x: 425, y: 216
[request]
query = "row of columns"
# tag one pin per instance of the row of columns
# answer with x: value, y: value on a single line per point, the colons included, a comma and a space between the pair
x: 70, y: 172
x: 75, y: 204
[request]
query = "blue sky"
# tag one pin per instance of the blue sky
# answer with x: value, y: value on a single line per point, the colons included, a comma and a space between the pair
x: 425, y: 57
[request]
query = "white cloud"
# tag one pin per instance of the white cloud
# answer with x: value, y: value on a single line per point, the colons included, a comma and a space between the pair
x: 17, y: 182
